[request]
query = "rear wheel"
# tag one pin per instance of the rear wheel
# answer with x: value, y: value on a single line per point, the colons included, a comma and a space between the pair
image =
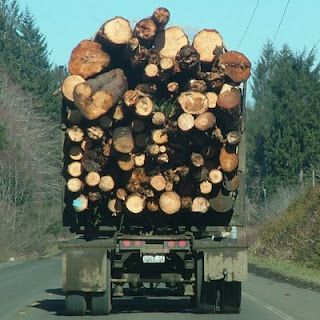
x: 230, y: 297
x: 75, y: 304
x: 206, y: 292
x: 101, y: 303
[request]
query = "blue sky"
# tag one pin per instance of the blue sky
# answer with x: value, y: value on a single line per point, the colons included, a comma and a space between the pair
x: 66, y: 22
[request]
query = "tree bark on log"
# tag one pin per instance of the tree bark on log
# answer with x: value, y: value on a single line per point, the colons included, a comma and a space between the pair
x: 138, y: 125
x: 76, y: 153
x: 125, y: 163
x: 170, y: 202
x: 233, y: 138
x: 169, y: 41
x: 87, y: 59
x: 131, y: 97
x: 161, y: 17
x: 95, y: 133
x: 188, y: 59
x: 122, y: 139
x: 205, y: 42
x: 74, y: 116
x: 152, y: 205
x: 96, y: 96
x: 145, y: 30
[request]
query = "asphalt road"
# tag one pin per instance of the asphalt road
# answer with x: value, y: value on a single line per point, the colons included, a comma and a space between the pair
x: 31, y: 291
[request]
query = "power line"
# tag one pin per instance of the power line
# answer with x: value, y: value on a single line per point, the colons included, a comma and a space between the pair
x: 249, y: 23
x: 280, y: 23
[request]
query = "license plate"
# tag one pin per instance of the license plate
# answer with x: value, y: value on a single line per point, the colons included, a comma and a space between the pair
x: 154, y: 259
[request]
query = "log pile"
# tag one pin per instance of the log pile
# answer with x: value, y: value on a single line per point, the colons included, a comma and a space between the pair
x: 152, y: 120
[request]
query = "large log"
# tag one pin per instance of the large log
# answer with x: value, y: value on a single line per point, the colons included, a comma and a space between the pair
x: 170, y: 202
x: 169, y: 41
x: 193, y: 102
x: 205, y: 42
x: 87, y: 59
x: 115, y: 32
x: 235, y: 65
x: 96, y: 96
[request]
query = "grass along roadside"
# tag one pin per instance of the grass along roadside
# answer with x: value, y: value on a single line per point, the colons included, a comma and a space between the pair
x: 288, y: 271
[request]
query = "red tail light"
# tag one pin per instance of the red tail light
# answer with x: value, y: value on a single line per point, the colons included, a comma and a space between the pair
x: 182, y: 244
x: 126, y: 243
x: 171, y: 244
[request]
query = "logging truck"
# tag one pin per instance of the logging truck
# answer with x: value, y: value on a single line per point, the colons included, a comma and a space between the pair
x: 154, y: 167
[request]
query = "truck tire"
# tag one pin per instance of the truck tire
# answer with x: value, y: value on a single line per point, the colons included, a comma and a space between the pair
x: 75, y: 304
x: 206, y: 292
x: 101, y: 302
x: 230, y: 297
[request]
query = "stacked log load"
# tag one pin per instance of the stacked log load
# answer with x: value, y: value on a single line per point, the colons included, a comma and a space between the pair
x: 152, y: 120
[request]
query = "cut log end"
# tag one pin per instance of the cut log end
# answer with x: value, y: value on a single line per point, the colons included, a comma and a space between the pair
x: 228, y: 161
x: 170, y: 202
x: 193, y: 102
x: 206, y: 42
x: 161, y: 17
x: 74, y: 185
x: 168, y: 42
x: 88, y: 59
x: 69, y: 84
x: 200, y: 205
x: 185, y: 122
x: 158, y: 182
x: 135, y: 203
x: 116, y: 32
x: 92, y: 179
x: 205, y: 121
x: 106, y: 183
x: 80, y: 204
x: 215, y: 176
x: 144, y: 107
x: 123, y: 140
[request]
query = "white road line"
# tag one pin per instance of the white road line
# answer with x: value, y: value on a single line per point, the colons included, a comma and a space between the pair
x: 278, y: 312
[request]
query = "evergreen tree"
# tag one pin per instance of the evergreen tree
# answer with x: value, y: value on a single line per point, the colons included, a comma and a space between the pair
x: 285, y: 123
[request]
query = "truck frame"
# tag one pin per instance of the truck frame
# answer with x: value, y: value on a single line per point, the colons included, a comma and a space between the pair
x: 205, y: 263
